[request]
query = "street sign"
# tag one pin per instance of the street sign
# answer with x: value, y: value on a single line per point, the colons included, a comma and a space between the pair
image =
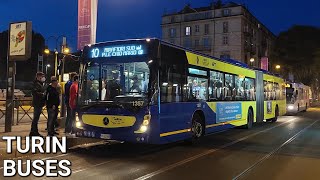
x: 20, y: 38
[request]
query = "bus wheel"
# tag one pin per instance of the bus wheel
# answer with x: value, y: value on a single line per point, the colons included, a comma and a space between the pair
x: 197, y: 127
x: 249, y: 119
x: 276, y: 114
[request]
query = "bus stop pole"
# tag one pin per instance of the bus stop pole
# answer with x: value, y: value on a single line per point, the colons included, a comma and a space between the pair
x: 11, y: 66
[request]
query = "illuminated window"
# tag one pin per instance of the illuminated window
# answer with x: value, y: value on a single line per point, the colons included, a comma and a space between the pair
x: 197, y: 88
x: 216, y: 86
x: 197, y: 71
x: 188, y: 31
x: 229, y: 89
x: 249, y: 89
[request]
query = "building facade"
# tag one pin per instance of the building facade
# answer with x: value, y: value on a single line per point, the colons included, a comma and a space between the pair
x: 221, y: 30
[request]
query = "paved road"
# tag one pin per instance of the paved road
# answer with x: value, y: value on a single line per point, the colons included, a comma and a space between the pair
x: 287, y: 149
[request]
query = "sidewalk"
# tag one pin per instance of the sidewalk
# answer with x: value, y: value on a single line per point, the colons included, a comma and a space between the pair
x: 23, y: 130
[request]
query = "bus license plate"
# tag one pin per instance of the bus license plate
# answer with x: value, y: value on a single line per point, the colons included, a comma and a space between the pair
x: 105, y: 136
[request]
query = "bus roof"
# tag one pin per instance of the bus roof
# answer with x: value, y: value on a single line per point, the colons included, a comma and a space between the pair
x: 226, y: 60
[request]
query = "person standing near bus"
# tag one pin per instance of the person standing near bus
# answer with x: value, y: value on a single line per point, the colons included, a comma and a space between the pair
x: 67, y: 86
x: 52, y: 101
x: 38, y: 101
x: 73, y: 99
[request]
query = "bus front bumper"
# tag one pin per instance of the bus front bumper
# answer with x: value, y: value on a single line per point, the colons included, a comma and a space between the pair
x: 134, y: 137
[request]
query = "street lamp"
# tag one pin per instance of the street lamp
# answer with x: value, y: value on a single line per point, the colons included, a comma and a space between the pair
x: 251, y: 61
x: 64, y: 50
x: 46, y: 51
x: 278, y: 67
x: 47, y: 66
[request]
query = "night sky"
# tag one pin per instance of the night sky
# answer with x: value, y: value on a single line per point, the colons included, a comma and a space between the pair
x: 122, y: 19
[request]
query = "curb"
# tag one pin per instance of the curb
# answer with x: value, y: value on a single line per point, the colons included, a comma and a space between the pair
x: 71, y: 142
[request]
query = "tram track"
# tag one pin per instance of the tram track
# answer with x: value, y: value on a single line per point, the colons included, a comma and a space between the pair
x: 179, y: 163
x: 208, y: 152
x: 141, y: 155
x: 267, y: 156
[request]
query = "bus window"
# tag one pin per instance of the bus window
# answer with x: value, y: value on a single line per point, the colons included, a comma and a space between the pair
x: 229, y: 89
x: 239, y: 87
x: 171, y: 84
x: 91, y: 82
x: 197, y: 88
x: 249, y: 89
x: 216, y: 85
x: 115, y: 79
x: 277, y: 91
x: 269, y: 91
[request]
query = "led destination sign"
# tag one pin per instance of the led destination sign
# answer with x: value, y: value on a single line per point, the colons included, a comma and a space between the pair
x: 118, y: 51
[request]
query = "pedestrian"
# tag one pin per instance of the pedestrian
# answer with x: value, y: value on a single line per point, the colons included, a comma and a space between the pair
x: 73, y: 98
x: 52, y: 101
x: 68, y: 124
x: 38, y: 101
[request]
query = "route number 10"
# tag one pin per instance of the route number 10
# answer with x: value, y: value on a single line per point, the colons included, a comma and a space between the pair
x: 95, y: 53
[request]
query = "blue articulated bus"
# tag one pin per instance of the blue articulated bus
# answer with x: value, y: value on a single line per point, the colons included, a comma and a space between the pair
x: 150, y: 91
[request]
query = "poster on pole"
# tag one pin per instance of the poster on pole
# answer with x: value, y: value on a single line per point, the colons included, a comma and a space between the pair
x: 20, y: 38
x: 87, y: 22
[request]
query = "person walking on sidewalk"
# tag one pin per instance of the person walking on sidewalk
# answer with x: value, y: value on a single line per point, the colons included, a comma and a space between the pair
x: 73, y: 98
x: 38, y: 101
x: 52, y: 101
x: 67, y: 86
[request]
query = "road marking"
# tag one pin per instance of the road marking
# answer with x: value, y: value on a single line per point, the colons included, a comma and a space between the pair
x: 102, y: 163
x: 167, y: 168
x: 246, y: 171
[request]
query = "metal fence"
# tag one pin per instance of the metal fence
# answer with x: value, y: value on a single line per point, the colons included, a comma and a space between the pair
x: 23, y: 110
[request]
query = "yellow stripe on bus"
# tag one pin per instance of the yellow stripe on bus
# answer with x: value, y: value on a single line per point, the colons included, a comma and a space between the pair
x: 234, y: 122
x: 175, y: 132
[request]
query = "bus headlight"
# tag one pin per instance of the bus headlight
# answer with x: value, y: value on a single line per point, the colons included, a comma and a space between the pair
x: 145, y: 122
x: 78, y: 124
x: 143, y: 128
x: 77, y: 118
x: 290, y: 107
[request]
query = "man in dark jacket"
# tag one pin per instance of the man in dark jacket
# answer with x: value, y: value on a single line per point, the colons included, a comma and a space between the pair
x: 67, y: 86
x: 52, y: 101
x: 38, y: 101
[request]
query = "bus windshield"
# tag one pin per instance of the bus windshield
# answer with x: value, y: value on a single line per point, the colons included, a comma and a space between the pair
x: 107, y: 81
x: 290, y: 96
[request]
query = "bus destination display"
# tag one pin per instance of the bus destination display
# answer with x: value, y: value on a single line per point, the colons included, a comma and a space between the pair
x: 118, y: 51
